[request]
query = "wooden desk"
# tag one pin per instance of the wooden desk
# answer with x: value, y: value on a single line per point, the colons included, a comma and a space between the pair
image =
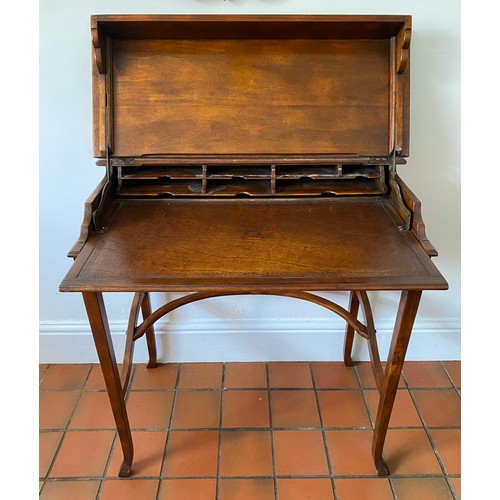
x: 251, y: 220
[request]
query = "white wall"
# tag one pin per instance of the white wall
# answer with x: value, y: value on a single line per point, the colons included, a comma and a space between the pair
x: 251, y: 328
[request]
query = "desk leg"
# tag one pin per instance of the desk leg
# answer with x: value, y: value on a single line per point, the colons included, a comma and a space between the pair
x: 407, y: 311
x: 349, y: 331
x: 150, y: 333
x: 98, y: 320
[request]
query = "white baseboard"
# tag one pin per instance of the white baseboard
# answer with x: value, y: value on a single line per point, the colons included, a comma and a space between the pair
x: 247, y: 340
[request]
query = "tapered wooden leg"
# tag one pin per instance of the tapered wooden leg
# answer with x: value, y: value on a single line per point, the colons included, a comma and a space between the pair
x: 98, y: 320
x: 349, y: 331
x: 150, y: 333
x: 372, y: 340
x: 407, y: 311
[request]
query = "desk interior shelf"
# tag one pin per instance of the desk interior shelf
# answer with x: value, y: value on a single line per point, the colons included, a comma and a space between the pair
x: 251, y: 180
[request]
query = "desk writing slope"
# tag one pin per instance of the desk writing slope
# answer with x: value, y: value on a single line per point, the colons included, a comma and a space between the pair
x: 182, y: 244
x: 251, y: 155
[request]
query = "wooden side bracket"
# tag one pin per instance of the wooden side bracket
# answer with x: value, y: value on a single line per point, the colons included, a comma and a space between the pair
x: 87, y: 225
x: 417, y: 222
x: 403, y: 48
x: 98, y: 209
x: 99, y: 46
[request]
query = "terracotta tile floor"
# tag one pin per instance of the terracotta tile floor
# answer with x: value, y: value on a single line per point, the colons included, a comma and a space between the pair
x: 232, y: 431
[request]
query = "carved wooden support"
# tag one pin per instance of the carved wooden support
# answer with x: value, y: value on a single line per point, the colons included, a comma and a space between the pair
x: 396, y: 197
x: 403, y: 49
x: 99, y: 139
x: 417, y: 223
x: 101, y: 92
x: 101, y: 196
x: 102, y: 211
x: 99, y: 46
x: 87, y: 225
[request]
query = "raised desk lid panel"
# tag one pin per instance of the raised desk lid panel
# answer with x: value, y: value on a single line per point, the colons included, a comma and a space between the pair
x: 250, y: 96
x: 323, y: 85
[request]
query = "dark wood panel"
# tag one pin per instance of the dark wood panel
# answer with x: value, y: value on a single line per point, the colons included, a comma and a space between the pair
x: 320, y: 187
x: 293, y: 71
x: 250, y: 26
x: 251, y: 96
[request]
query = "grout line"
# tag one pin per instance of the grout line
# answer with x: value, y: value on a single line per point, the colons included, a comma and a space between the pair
x: 106, y: 465
x: 452, y: 488
x: 263, y: 428
x: 391, y: 485
x: 457, y: 389
x: 234, y: 429
x: 241, y: 389
x: 356, y: 366
x: 43, y: 374
x: 393, y: 488
x: 436, y: 389
x: 273, y: 454
x: 279, y: 476
x: 219, y: 442
x: 323, y: 433
x: 171, y: 417
x: 365, y: 401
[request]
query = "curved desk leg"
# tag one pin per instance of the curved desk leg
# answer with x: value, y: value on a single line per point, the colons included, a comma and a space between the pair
x: 349, y: 331
x: 98, y: 320
x: 150, y: 333
x: 407, y: 311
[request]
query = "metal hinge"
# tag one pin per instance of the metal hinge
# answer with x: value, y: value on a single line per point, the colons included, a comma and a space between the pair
x: 122, y: 162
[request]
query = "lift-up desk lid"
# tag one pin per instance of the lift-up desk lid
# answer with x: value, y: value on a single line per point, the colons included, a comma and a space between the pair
x: 259, y: 85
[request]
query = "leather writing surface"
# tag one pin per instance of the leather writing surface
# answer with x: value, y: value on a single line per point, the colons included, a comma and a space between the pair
x: 331, y: 243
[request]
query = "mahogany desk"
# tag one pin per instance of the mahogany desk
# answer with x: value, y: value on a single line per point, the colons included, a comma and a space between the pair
x: 251, y: 155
